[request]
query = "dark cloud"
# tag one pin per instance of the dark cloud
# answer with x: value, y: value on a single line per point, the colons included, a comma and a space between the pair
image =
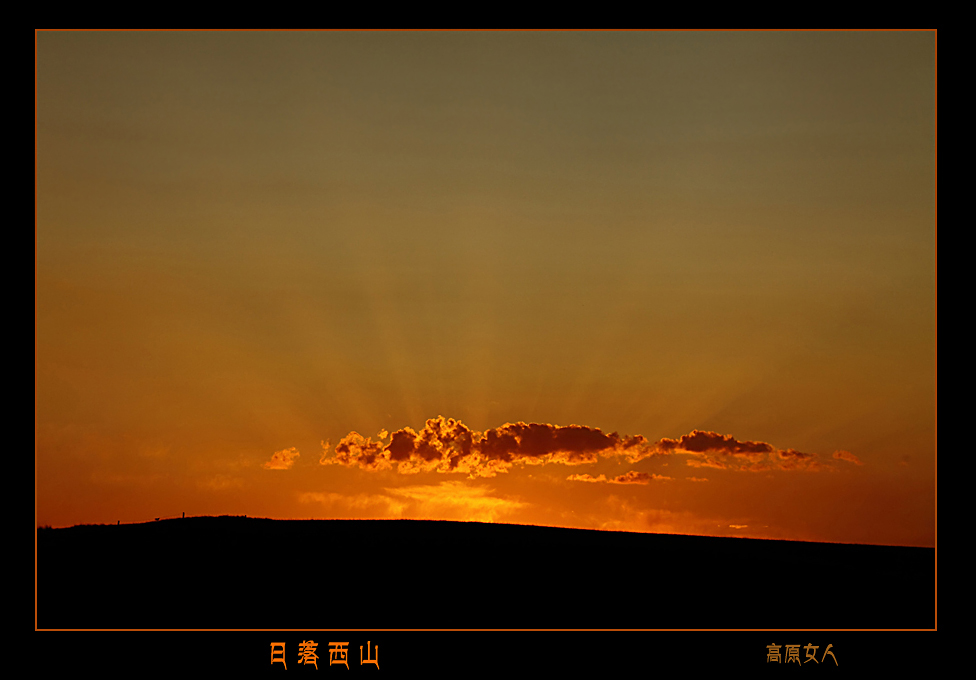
x: 700, y: 441
x: 725, y: 452
x: 792, y: 454
x: 635, y: 477
x: 790, y: 459
x: 448, y: 445
x: 355, y: 449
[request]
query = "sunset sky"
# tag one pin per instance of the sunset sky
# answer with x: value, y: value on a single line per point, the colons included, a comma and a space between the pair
x: 675, y: 282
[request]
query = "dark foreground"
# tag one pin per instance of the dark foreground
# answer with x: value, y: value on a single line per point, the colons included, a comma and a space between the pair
x: 232, y: 572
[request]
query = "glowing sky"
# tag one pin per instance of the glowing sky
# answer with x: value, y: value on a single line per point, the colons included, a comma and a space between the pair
x: 652, y: 281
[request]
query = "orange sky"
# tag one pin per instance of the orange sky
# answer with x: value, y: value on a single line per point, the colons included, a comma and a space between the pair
x: 252, y: 244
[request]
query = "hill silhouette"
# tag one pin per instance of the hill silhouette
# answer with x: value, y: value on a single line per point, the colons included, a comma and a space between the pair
x: 236, y: 572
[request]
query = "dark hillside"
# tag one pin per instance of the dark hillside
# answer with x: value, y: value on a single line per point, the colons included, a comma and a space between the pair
x: 234, y: 572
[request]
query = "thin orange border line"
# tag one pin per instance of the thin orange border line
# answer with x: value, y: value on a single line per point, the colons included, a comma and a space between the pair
x: 936, y: 302
x: 494, y: 630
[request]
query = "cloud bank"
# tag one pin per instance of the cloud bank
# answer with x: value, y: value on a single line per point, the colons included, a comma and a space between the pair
x: 449, y: 446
